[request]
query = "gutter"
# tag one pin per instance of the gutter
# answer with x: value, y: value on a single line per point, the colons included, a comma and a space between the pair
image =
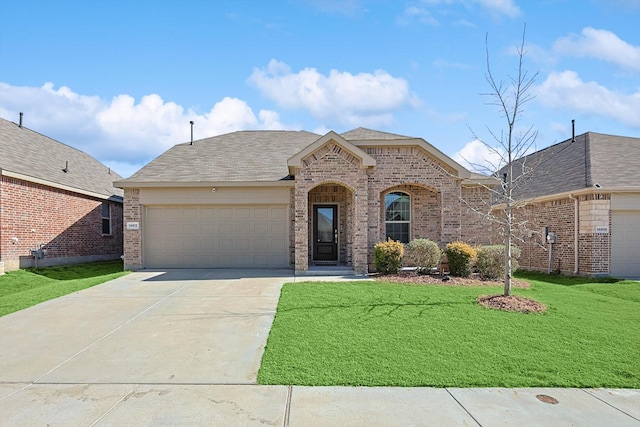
x: 126, y: 183
x: 575, y: 232
x: 566, y: 194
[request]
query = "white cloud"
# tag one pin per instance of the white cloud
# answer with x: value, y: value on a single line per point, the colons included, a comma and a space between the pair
x: 415, y: 13
x: 364, y: 99
x: 123, y: 133
x: 600, y: 44
x: 496, y: 7
x: 501, y: 7
x: 478, y: 157
x: 566, y: 90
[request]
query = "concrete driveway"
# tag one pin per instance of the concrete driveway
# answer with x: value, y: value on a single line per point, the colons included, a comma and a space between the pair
x: 183, y: 347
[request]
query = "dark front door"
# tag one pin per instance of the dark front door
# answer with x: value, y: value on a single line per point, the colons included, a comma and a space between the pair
x: 325, y: 233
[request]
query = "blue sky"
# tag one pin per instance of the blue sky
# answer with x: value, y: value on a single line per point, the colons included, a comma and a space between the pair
x: 121, y: 80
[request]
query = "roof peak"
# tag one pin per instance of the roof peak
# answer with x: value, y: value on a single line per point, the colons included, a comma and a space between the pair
x: 362, y: 133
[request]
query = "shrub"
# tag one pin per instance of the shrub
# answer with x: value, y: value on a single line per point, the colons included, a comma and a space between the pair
x: 461, y: 257
x: 490, y: 261
x: 388, y: 256
x: 424, y: 253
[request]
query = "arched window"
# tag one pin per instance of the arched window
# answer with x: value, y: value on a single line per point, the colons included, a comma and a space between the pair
x: 397, y: 216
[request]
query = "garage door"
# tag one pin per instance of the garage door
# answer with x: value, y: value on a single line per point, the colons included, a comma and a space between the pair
x: 625, y: 244
x: 216, y: 237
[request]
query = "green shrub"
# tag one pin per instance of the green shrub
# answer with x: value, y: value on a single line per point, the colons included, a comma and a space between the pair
x: 424, y: 253
x: 490, y: 261
x: 388, y: 256
x: 461, y: 257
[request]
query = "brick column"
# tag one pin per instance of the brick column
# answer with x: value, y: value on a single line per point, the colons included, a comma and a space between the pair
x: 361, y: 227
x: 132, y: 238
x: 301, y: 229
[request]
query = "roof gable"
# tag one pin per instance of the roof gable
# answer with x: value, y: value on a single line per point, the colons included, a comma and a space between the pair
x: 613, y: 160
x: 31, y: 156
x: 296, y: 160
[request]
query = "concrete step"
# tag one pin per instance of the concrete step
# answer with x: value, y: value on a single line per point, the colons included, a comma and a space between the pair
x: 328, y: 270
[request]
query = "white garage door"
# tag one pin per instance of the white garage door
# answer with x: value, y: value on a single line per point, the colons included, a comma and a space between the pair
x: 216, y: 237
x: 625, y: 244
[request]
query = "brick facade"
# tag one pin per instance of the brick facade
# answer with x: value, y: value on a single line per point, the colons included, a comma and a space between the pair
x: 333, y: 175
x: 66, y: 224
x: 332, y: 165
x: 594, y: 249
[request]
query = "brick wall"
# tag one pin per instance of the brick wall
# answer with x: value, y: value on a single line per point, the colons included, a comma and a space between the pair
x: 68, y: 224
x: 133, y: 238
x: 476, y: 229
x: 594, y: 250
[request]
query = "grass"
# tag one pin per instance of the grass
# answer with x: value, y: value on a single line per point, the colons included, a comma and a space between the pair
x: 385, y: 334
x: 25, y: 288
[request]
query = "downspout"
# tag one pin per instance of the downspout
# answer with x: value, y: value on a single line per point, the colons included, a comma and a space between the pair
x: 575, y: 232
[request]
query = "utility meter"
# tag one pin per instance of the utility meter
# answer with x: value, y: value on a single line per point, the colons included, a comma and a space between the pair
x: 552, y: 237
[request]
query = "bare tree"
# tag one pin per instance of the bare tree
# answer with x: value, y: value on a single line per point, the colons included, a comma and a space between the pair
x: 510, y: 144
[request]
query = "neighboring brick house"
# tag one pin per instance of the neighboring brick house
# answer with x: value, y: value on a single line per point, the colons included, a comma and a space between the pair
x: 55, y: 198
x: 294, y: 199
x: 586, y: 190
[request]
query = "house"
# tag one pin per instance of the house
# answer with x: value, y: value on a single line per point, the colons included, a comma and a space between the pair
x: 294, y: 199
x: 585, y: 192
x: 58, y: 205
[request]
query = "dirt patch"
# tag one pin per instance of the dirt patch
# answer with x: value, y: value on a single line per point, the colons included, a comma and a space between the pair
x: 511, y: 303
x: 436, y: 279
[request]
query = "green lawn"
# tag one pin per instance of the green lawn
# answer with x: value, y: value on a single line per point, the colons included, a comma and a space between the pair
x: 376, y: 333
x: 24, y: 288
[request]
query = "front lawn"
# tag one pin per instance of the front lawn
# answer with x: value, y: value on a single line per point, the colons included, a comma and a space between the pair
x: 24, y: 288
x: 384, y: 334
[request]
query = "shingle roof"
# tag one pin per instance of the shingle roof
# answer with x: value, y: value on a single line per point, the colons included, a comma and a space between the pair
x: 26, y: 152
x: 608, y: 160
x: 369, y: 134
x: 256, y: 156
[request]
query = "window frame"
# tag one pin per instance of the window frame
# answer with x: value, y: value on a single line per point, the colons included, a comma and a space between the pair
x: 408, y: 221
x: 106, y: 220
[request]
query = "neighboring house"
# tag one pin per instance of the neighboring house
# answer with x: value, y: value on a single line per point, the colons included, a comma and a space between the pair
x: 56, y: 203
x: 587, y: 191
x: 293, y: 199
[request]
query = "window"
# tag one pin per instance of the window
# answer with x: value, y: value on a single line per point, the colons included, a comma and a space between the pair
x: 106, y: 218
x: 397, y: 216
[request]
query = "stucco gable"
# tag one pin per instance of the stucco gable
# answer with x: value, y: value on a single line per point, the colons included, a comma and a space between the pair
x: 331, y: 137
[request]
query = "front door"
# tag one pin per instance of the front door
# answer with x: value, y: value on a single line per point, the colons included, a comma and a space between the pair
x: 325, y: 233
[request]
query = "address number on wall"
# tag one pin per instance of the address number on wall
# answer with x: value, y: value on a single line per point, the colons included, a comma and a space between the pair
x: 133, y: 226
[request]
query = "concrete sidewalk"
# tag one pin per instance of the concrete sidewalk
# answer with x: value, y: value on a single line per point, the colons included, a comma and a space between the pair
x: 183, y: 347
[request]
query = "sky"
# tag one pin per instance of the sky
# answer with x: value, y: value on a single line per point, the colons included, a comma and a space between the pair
x: 121, y: 80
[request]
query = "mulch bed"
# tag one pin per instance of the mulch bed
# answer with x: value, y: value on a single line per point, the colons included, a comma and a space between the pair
x: 511, y: 303
x: 411, y: 276
x: 498, y: 302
